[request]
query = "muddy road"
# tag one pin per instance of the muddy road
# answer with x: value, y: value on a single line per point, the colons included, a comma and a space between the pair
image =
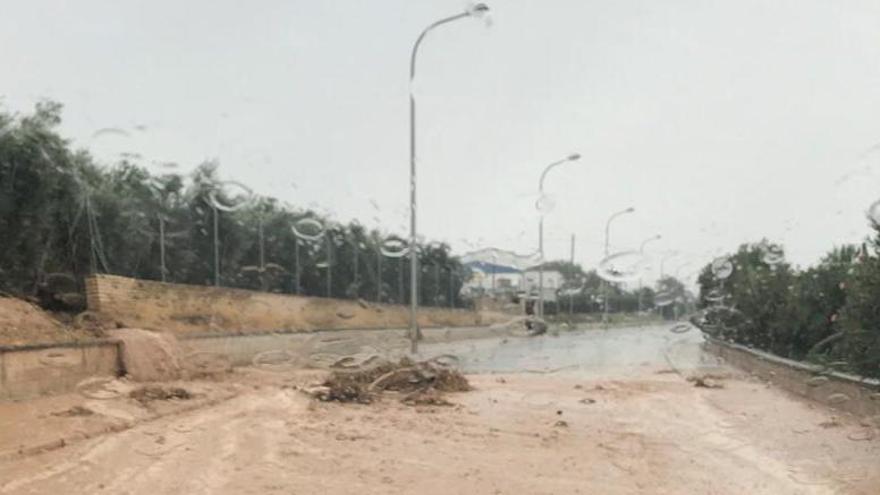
x: 606, y: 412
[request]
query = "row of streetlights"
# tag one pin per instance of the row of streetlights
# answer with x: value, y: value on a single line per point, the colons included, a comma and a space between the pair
x: 414, y: 334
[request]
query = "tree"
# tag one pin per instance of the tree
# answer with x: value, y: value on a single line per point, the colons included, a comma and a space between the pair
x: 63, y: 217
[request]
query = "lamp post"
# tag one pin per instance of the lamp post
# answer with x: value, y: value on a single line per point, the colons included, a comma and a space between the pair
x: 642, y: 250
x: 668, y: 255
x: 539, y: 310
x: 476, y: 11
x: 571, y: 293
x: 677, y: 271
x: 607, y: 240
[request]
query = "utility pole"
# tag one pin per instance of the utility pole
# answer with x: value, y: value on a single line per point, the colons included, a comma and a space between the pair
x: 571, y: 292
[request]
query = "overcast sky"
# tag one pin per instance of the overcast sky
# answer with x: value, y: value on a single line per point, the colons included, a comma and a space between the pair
x: 720, y: 122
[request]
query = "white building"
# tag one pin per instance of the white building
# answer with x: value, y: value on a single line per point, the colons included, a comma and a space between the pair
x: 553, y: 281
x: 491, y: 278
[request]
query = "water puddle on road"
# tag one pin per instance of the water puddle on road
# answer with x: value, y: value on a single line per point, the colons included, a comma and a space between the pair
x: 628, y: 350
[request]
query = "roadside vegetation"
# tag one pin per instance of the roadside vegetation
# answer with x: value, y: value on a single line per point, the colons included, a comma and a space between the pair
x: 64, y: 216
x: 828, y: 313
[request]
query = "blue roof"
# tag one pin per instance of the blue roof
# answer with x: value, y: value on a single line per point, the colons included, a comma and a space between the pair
x: 486, y: 267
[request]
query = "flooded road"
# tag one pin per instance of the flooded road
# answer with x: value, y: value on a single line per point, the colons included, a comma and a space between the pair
x: 617, y: 351
x: 594, y: 411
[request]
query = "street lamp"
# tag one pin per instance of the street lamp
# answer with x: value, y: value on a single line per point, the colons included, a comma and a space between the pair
x: 539, y: 311
x: 476, y: 11
x: 677, y: 271
x: 607, y: 240
x: 668, y: 255
x: 642, y: 250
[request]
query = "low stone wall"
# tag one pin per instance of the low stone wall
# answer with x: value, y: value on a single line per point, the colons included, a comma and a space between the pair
x: 30, y: 371
x: 187, y: 309
x: 862, y: 395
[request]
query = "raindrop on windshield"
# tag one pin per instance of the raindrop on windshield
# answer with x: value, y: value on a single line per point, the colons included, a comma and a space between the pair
x: 272, y: 358
x: 722, y: 268
x: 308, y: 229
x: 545, y: 204
x: 817, y: 381
x: 664, y: 299
x: 714, y: 295
x: 622, y: 267
x: 771, y: 254
x: 681, y: 328
x: 394, y: 248
x: 110, y: 131
x: 230, y: 196
x: 874, y: 212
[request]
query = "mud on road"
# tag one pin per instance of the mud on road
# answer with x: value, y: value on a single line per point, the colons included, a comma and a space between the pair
x: 649, y: 432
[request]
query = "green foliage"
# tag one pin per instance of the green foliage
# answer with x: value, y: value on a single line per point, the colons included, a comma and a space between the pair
x: 859, y: 323
x: 828, y: 313
x: 63, y: 217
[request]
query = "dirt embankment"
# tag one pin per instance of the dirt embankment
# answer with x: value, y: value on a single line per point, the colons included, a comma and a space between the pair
x: 22, y: 322
x: 187, y: 309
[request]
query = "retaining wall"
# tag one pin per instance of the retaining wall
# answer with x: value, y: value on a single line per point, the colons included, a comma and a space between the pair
x: 862, y: 394
x: 30, y: 371
x: 185, y: 309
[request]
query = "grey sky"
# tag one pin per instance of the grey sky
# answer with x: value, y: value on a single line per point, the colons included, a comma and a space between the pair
x: 719, y: 121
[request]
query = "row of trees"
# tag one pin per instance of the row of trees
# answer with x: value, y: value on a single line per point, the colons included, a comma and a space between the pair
x: 828, y: 313
x: 63, y: 216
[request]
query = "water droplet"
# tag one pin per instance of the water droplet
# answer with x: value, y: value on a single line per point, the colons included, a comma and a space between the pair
x: 308, y: 229
x: 622, y: 267
x: 238, y: 194
x: 817, y: 381
x: 394, y: 247
x: 772, y: 254
x: 714, y: 295
x: 269, y: 359
x: 664, y: 299
x: 110, y: 131
x: 681, y: 328
x: 545, y: 204
x: 722, y: 268
x: 874, y: 212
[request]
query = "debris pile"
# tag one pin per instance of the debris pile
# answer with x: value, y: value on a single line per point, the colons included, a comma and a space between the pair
x: 74, y: 411
x: 420, y: 383
x: 706, y: 381
x: 150, y: 393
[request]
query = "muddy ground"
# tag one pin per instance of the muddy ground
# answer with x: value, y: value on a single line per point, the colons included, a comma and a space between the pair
x: 649, y: 431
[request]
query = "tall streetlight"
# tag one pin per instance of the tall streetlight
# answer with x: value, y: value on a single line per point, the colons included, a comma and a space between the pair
x: 677, y: 271
x: 668, y: 255
x: 642, y: 250
x: 475, y: 11
x: 539, y: 311
x: 607, y: 240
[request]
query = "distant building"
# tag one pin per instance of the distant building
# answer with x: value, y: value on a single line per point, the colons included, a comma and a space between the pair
x: 492, y: 278
x: 553, y: 281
